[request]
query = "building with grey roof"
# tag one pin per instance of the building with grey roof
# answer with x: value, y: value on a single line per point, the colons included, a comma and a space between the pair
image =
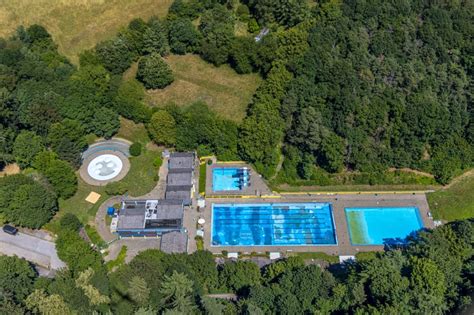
x: 181, y: 160
x: 183, y: 192
x: 180, y: 177
x: 149, y: 217
x: 174, y: 242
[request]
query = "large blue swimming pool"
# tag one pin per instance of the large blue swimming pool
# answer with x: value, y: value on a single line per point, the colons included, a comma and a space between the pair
x: 272, y: 224
x: 378, y: 226
x: 227, y: 179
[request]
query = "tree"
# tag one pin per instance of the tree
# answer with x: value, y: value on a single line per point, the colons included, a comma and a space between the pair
x: 154, y: 72
x: 135, y: 149
x: 183, y: 36
x: 26, y: 202
x: 70, y: 222
x: 243, y: 54
x: 155, y: 38
x: 177, y: 292
x: 76, y: 252
x: 59, y: 173
x: 138, y: 290
x: 217, y: 28
x: 44, y: 304
x: 115, y: 54
x: 106, y: 122
x: 67, y: 140
x: 27, y: 145
x: 129, y: 101
x: 239, y: 275
x: 162, y: 128
x: 16, y: 278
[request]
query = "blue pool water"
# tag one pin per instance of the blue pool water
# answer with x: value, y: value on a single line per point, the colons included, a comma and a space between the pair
x: 378, y: 226
x: 225, y: 179
x: 272, y: 224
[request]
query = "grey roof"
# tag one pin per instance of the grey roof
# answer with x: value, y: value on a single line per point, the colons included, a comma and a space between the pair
x: 181, y: 160
x: 174, y: 242
x: 133, y: 214
x: 179, y: 192
x: 180, y: 177
x: 131, y: 219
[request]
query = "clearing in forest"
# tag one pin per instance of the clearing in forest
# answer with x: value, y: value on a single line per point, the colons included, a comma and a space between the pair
x: 77, y: 24
x: 225, y: 91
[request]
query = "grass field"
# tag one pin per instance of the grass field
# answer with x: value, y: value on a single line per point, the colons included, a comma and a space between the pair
x: 77, y: 24
x: 132, y: 131
x: 456, y: 201
x: 225, y: 91
x: 202, y: 178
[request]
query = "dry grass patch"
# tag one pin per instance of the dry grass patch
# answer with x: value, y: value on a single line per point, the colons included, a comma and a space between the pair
x: 77, y: 24
x: 225, y: 91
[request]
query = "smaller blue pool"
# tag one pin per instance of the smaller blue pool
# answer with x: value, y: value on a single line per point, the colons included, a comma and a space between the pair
x: 228, y: 179
x: 379, y: 226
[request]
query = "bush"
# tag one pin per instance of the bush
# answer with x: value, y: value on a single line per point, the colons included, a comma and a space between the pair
x: 154, y: 72
x: 157, y: 162
x: 116, y: 188
x: 136, y: 149
x: 70, y: 222
x: 162, y: 128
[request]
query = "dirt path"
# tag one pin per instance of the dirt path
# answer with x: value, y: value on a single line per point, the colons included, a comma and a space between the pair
x: 459, y: 178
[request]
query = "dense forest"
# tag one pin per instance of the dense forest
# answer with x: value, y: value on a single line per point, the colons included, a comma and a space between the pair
x: 433, y: 274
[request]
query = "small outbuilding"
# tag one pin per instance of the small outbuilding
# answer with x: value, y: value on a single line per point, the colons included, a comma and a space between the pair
x: 174, y: 242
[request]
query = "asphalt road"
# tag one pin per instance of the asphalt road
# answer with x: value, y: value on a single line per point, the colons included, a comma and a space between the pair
x: 34, y: 249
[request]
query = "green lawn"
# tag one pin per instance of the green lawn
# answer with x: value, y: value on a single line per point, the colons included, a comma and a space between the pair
x: 143, y: 175
x: 455, y: 202
x: 133, y: 132
x: 317, y: 255
x: 202, y: 178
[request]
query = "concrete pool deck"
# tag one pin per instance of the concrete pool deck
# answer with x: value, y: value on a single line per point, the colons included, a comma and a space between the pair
x: 256, y: 188
x: 338, y: 203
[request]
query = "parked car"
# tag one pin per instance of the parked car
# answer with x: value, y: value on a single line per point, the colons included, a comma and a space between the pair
x: 10, y: 229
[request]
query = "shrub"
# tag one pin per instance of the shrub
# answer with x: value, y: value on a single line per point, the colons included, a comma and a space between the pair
x: 157, y: 162
x: 136, y: 149
x: 70, y: 222
x: 115, y: 188
x: 154, y: 72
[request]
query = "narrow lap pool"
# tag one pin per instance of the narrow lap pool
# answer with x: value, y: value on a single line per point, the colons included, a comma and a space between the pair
x: 378, y: 226
x: 226, y: 179
x: 272, y: 224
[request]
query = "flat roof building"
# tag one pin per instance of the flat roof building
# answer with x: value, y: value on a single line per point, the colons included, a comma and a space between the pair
x: 149, y: 217
x: 181, y: 160
x: 184, y: 193
x: 174, y: 242
x: 180, y: 177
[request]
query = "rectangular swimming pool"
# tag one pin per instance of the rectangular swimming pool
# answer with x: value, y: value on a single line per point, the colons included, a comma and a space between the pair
x: 228, y: 179
x: 379, y: 226
x: 272, y: 224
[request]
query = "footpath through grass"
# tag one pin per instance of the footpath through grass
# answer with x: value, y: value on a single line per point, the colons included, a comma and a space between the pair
x: 455, y: 202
